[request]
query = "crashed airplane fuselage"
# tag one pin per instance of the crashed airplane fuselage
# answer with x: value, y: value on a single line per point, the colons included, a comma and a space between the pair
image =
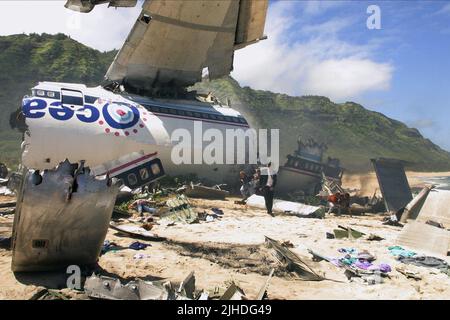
x: 96, y: 126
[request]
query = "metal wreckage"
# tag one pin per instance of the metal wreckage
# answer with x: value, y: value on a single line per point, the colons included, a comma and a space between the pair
x: 64, y: 209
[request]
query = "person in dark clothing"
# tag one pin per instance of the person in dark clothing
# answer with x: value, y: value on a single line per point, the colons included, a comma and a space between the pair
x: 267, y: 184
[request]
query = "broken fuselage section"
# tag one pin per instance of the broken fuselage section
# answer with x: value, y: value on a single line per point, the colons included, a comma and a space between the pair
x: 62, y: 218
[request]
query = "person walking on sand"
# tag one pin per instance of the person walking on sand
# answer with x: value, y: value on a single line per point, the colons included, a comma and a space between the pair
x: 268, y: 182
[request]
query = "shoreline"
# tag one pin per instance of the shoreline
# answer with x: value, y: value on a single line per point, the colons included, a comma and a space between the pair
x: 367, y: 183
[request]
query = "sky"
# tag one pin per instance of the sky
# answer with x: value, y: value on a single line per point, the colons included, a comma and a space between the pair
x: 401, y: 69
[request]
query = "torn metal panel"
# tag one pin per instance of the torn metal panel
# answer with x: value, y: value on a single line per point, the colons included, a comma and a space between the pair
x: 287, y: 207
x: 436, y: 208
x: 233, y: 293
x: 102, y: 287
x: 173, y: 41
x: 187, y: 287
x: 262, y: 292
x: 61, y: 219
x: 86, y: 6
x: 293, y: 261
x: 393, y: 183
x: 203, y: 192
x: 424, y: 238
x: 413, y: 207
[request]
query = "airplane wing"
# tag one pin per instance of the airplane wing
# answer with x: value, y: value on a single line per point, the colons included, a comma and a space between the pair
x: 172, y: 42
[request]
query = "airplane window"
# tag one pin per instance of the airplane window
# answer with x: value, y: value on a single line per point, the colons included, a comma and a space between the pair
x: 144, y: 174
x: 72, y: 98
x: 204, y: 115
x: 228, y: 119
x: 198, y: 115
x: 189, y: 114
x: 132, y: 179
x: 235, y: 120
x: 212, y: 116
x: 221, y: 118
x: 155, y: 169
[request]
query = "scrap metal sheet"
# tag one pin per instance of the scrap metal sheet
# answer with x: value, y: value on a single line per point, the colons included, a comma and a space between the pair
x: 393, y: 183
x: 61, y: 219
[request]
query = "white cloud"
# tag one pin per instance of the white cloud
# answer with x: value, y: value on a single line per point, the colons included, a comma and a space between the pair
x: 104, y: 28
x: 321, y: 64
x: 445, y: 9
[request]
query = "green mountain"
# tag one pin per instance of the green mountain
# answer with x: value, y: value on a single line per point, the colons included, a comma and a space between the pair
x: 351, y: 132
x: 27, y: 59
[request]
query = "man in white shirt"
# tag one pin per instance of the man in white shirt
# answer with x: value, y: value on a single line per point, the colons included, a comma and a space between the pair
x: 267, y: 185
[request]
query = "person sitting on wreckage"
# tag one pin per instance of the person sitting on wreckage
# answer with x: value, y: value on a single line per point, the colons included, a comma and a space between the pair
x: 141, y: 206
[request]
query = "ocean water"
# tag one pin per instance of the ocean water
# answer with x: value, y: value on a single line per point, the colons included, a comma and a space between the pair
x: 442, y: 183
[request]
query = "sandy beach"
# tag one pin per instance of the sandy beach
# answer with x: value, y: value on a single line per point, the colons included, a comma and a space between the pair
x: 232, y: 248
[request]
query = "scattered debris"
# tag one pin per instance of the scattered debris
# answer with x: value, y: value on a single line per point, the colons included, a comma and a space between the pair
x: 263, y: 291
x: 233, y: 293
x: 408, y: 273
x: 287, y: 207
x: 180, y: 210
x: 135, y: 231
x: 392, y: 221
x: 102, y: 287
x: 203, y: 192
x: 5, y: 191
x: 7, y: 211
x: 187, y: 287
x: 292, y: 262
x: 109, y: 246
x: 426, y: 261
x: 398, y: 251
x: 61, y: 218
x: 138, y: 245
x: 7, y: 204
x: 345, y: 232
x: 359, y: 263
x: 287, y: 244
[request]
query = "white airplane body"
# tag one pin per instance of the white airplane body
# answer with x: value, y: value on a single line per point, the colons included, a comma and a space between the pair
x: 99, y: 126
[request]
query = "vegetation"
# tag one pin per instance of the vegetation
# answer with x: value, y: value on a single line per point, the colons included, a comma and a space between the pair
x: 351, y: 132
